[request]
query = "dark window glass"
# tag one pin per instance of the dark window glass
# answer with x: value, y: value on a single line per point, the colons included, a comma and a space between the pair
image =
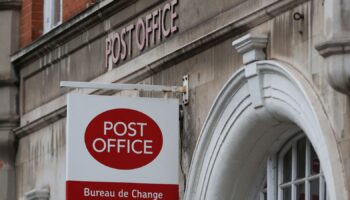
x: 301, y: 156
x: 314, y: 163
x: 315, y: 189
x: 301, y: 191
x: 287, y: 167
x: 287, y: 193
x: 57, y: 12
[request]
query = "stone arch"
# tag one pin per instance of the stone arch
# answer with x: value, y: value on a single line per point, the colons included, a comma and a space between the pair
x: 258, y: 109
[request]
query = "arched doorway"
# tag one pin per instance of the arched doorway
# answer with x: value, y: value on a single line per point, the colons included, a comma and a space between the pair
x: 259, y: 109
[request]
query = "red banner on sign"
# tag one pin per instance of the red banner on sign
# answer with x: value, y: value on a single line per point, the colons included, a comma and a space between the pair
x: 82, y: 190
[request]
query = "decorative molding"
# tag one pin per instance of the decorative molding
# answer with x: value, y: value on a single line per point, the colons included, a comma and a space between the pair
x: 254, y: 84
x: 37, y: 194
x: 251, y: 46
x: 8, y: 82
x: 10, y: 5
x: 9, y: 121
x: 104, y: 8
x: 144, y: 65
x: 40, y: 123
x: 336, y: 49
x: 337, y: 57
x: 236, y: 138
x: 333, y: 47
x: 56, y: 37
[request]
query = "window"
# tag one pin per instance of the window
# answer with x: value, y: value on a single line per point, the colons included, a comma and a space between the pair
x: 294, y: 174
x: 52, y: 14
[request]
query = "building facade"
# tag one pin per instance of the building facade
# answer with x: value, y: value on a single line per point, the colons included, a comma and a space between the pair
x: 268, y: 109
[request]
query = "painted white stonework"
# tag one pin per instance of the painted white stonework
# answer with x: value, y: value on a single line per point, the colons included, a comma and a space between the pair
x: 238, y: 136
x: 38, y: 194
x: 336, y: 48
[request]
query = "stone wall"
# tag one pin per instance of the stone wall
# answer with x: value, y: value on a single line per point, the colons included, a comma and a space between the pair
x: 9, y: 23
x: 202, y: 49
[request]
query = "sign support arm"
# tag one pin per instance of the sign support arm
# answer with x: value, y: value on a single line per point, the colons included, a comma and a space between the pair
x: 138, y: 87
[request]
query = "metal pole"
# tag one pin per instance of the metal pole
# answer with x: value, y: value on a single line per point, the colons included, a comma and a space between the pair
x: 120, y: 86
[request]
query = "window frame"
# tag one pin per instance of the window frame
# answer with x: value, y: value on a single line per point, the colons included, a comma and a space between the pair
x: 274, y: 173
x: 49, y: 13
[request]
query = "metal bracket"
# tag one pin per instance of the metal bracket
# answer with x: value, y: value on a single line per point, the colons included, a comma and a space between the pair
x: 185, y: 94
x: 138, y: 87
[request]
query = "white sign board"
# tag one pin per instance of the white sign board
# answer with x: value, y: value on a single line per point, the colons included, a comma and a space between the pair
x: 122, y: 148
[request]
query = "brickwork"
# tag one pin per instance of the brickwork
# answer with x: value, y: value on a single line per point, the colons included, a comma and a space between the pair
x: 73, y: 7
x: 31, y: 21
x: 32, y: 17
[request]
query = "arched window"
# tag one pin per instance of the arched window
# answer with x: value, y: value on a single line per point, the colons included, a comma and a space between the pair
x: 294, y: 173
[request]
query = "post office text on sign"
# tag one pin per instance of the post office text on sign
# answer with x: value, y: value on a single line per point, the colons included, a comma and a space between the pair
x: 122, y: 129
x: 146, y: 31
x: 119, y: 135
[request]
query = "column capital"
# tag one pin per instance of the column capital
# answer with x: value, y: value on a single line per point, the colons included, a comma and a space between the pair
x: 251, y: 47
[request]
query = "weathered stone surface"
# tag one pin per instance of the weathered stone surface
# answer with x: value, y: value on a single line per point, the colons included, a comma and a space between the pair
x: 9, y: 23
x: 202, y: 49
x: 40, y: 161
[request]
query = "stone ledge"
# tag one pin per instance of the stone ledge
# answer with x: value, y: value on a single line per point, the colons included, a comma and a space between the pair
x: 144, y: 65
x: 9, y: 122
x: 337, y: 54
x: 8, y: 82
x: 69, y: 29
x: 40, y: 123
x: 10, y: 5
x: 37, y: 194
x: 333, y: 47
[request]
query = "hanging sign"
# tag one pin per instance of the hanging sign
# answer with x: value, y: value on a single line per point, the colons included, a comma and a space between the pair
x: 122, y: 148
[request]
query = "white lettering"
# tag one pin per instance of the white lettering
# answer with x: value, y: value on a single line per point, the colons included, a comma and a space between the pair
x: 103, y: 145
x: 120, y: 145
x: 110, y: 144
x: 137, y: 194
x: 98, y: 193
x: 120, y: 129
x: 141, y: 127
x: 116, y: 127
x: 107, y: 126
x: 132, y: 129
x: 147, y: 146
x: 133, y: 147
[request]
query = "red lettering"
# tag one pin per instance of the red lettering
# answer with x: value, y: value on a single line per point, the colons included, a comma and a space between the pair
x: 129, y: 29
x: 148, y: 29
x: 108, y: 49
x: 123, y: 49
x: 165, y: 31
x: 173, y: 16
x: 140, y: 34
x: 115, y: 47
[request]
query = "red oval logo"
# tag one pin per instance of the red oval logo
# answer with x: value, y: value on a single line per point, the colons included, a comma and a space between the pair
x: 123, y: 139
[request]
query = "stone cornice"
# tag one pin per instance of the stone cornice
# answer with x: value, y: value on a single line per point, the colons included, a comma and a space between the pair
x: 10, y: 5
x: 251, y: 47
x: 40, y: 123
x: 8, y: 82
x: 336, y: 52
x: 48, y: 113
x: 59, y: 35
x: 10, y: 121
x: 333, y: 47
